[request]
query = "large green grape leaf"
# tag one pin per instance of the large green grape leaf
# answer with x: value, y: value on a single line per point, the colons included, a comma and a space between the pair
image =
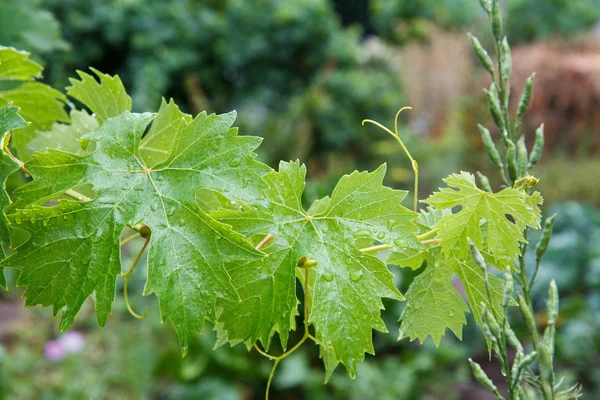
x: 348, y: 284
x: 40, y: 104
x: 106, y: 98
x: 9, y: 119
x: 477, y: 206
x: 74, y: 247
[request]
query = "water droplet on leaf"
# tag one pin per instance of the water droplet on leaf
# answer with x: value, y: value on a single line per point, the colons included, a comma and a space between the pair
x: 400, y: 243
x: 356, y: 275
x: 328, y: 277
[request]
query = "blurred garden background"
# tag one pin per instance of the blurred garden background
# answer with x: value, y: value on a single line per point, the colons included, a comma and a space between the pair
x: 303, y: 74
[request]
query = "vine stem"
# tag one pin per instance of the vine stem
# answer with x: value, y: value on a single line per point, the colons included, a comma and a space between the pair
x: 395, y: 135
x: 307, y: 335
x: 126, y: 276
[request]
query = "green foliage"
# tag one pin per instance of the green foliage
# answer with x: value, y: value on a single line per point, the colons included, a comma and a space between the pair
x: 25, y: 25
x: 186, y: 245
x: 401, y: 21
x: 502, y: 236
x: 346, y: 284
x: 228, y: 236
x: 40, y: 104
x: 9, y: 120
x: 540, y: 19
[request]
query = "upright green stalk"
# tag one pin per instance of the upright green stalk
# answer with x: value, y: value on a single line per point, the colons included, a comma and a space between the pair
x: 520, y: 377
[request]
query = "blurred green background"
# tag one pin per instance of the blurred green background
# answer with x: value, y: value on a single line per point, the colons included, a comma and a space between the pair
x: 303, y: 74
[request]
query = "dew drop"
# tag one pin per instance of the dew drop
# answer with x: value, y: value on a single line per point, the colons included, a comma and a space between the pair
x: 65, y: 216
x: 363, y: 232
x: 45, y: 222
x: 234, y: 163
x: 96, y: 238
x: 328, y: 277
x: 86, y: 260
x: 33, y: 219
x: 356, y: 275
x: 170, y: 211
x: 381, y: 235
x: 400, y: 243
x: 18, y: 220
x: 390, y: 224
x: 451, y: 314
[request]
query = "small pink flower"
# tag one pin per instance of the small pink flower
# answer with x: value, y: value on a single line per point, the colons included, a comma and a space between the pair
x: 54, y: 351
x: 72, y: 342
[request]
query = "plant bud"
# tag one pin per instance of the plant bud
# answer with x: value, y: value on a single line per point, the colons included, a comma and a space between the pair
x: 477, y: 257
x: 482, y: 55
x: 521, y: 157
x: 508, y: 288
x: 496, y: 20
x: 490, y: 147
x: 489, y: 319
x: 527, y: 315
x: 512, y: 338
x: 481, y: 376
x: 506, y: 59
x: 486, y: 5
x: 494, y: 106
x: 511, y: 161
x: 552, y: 303
x: 526, y: 97
x: 485, y: 182
x: 538, y: 147
x: 542, y: 245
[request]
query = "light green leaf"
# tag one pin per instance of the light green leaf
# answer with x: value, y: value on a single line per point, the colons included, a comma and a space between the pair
x: 66, y: 137
x: 348, y: 284
x: 106, y: 98
x: 16, y: 65
x: 433, y: 305
x: 473, y: 280
x: 74, y: 249
x: 158, y: 141
x: 494, y: 209
x: 41, y: 105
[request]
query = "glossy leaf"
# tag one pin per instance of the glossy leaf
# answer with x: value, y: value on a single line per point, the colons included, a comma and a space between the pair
x: 74, y: 247
x: 347, y: 284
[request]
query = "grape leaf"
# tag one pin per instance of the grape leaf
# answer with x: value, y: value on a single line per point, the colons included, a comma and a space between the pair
x: 348, y: 284
x: 74, y: 247
x: 16, y: 65
x: 433, y: 304
x: 106, y: 98
x: 503, y: 235
x: 158, y: 141
x: 9, y: 119
x: 66, y: 136
x: 40, y: 104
